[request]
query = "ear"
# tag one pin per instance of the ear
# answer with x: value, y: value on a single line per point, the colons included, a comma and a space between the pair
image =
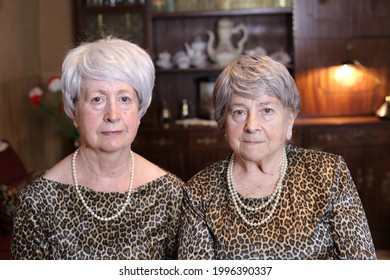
x: 75, y: 123
x: 290, y: 125
x: 74, y: 120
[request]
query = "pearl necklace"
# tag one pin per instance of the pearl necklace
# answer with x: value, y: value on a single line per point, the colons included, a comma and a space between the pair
x: 83, y: 200
x: 275, y: 196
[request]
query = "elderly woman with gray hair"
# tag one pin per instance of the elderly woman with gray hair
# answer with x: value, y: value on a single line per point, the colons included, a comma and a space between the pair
x: 269, y: 199
x: 104, y: 201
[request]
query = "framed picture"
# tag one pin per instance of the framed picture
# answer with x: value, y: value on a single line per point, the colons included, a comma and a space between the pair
x: 205, y: 87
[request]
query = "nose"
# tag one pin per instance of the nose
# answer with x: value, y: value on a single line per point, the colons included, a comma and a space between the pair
x: 112, y: 112
x: 252, y: 123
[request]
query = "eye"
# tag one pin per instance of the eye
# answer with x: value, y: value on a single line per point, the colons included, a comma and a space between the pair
x: 96, y: 99
x: 239, y: 115
x: 125, y: 99
x: 268, y: 110
x: 238, y: 112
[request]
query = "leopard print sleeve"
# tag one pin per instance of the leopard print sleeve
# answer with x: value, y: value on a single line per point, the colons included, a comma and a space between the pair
x: 351, y: 232
x: 28, y: 240
x: 196, y: 236
x: 195, y: 242
x: 176, y: 198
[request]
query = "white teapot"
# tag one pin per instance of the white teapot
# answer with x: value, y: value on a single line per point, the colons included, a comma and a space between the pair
x: 197, y: 52
x: 225, y: 52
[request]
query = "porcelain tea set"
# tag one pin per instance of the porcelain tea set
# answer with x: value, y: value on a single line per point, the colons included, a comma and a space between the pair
x: 200, y: 53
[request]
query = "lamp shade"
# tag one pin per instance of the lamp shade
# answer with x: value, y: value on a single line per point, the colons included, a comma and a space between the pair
x: 384, y: 110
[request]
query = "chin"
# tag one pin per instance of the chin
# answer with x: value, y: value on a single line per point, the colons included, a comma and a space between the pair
x: 114, y: 147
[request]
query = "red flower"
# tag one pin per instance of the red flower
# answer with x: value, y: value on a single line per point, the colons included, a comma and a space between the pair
x: 35, y: 95
x: 53, y: 107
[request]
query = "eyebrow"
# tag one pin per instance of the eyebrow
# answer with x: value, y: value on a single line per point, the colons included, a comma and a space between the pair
x: 105, y: 92
x: 260, y: 104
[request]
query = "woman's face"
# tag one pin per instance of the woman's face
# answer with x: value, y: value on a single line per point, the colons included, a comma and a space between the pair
x: 257, y: 129
x: 107, y: 115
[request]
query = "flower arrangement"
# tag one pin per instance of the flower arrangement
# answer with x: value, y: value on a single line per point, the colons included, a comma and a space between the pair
x: 54, y: 109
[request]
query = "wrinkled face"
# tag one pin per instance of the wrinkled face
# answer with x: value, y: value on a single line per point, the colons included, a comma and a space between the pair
x: 257, y: 129
x: 107, y: 115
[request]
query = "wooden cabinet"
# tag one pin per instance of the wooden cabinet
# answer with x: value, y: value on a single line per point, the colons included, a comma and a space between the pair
x: 329, y: 33
x: 205, y: 148
x: 126, y: 19
x: 341, y: 18
x: 316, y: 63
x: 166, y: 148
x: 183, y: 151
x: 364, y: 143
x: 370, y: 18
x: 158, y: 30
x: 322, y: 18
x: 270, y: 28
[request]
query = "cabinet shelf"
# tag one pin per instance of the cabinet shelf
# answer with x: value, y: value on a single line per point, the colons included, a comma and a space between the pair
x: 115, y: 9
x: 219, y: 13
x: 210, y: 69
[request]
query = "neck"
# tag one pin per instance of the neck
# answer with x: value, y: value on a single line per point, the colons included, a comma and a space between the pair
x: 257, y: 179
x: 107, y: 173
x: 268, y: 165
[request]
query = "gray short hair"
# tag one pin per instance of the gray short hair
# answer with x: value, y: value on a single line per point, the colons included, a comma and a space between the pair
x: 251, y: 76
x: 108, y: 59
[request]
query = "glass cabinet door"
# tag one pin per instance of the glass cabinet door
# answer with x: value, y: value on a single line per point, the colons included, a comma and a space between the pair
x: 126, y: 19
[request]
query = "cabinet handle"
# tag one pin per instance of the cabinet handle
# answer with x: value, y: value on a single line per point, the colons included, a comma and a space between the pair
x: 162, y: 142
x: 362, y: 135
x: 328, y: 137
x: 206, y: 141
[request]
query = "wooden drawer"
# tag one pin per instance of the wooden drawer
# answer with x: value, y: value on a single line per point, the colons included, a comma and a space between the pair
x: 207, y: 140
x: 161, y: 141
x: 357, y: 135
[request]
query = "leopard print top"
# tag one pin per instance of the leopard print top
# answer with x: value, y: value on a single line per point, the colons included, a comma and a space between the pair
x: 319, y: 216
x: 52, y: 223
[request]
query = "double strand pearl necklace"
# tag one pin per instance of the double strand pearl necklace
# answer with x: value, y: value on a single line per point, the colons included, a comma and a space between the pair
x: 83, y: 200
x: 275, y: 196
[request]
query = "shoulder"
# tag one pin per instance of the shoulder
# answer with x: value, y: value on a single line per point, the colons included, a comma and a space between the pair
x: 170, y: 185
x: 170, y: 178
x: 317, y: 169
x: 312, y: 159
x: 39, y: 191
x: 211, y: 174
x: 60, y: 172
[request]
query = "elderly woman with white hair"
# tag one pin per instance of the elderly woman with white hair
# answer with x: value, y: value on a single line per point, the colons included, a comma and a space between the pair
x: 103, y: 201
x: 269, y: 199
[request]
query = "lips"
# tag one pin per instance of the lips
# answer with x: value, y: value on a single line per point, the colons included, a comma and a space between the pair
x: 112, y: 132
x: 252, y: 141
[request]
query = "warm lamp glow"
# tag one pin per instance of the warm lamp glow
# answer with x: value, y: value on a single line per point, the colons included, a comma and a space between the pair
x: 347, y: 75
x: 346, y: 78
